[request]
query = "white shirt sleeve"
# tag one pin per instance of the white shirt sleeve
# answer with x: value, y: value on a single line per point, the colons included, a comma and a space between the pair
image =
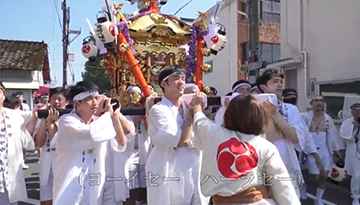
x: 203, y: 129
x: 163, y: 130
x: 280, y: 183
x: 84, y: 135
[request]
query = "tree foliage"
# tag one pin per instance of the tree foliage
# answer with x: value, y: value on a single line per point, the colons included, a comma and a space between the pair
x: 93, y: 72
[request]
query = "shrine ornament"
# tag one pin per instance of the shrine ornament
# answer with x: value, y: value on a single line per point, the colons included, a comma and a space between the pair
x: 136, y: 47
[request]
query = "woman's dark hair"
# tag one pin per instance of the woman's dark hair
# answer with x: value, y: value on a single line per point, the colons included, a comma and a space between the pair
x: 245, y: 114
x: 11, y: 102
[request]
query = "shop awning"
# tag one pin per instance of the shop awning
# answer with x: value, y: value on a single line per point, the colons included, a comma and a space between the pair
x: 42, y: 89
x: 22, y: 86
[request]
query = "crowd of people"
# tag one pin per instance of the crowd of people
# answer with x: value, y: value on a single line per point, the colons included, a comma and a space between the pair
x: 183, y: 152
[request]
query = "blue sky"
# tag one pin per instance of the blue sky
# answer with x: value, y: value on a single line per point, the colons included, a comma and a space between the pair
x: 37, y: 20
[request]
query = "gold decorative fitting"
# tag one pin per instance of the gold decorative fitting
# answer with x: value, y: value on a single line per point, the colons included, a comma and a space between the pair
x: 206, y: 67
x: 192, y: 78
x: 201, y: 24
x: 136, y: 99
x: 206, y: 90
x: 119, y: 16
x: 206, y: 51
x: 202, y: 15
x: 158, y: 19
x: 123, y: 47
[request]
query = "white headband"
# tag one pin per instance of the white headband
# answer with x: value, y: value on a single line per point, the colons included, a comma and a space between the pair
x: 253, y: 88
x: 133, y: 87
x: 318, y: 97
x: 241, y: 84
x: 191, y: 85
x: 83, y: 95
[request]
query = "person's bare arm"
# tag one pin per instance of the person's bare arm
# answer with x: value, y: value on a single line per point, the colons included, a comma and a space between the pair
x: 30, y: 127
x: 125, y: 124
x: 186, y: 130
x: 52, y: 129
x: 288, y: 131
x: 40, y: 136
x: 120, y: 134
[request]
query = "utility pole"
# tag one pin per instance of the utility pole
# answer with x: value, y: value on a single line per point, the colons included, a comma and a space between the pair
x: 65, y: 39
x: 254, y: 60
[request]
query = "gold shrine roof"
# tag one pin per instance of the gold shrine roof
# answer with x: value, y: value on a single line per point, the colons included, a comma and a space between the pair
x: 157, y: 21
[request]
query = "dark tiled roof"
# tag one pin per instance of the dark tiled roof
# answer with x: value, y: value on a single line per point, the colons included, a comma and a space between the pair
x: 24, y: 55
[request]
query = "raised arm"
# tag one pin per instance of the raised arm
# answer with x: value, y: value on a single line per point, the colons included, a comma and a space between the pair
x: 84, y: 135
x: 126, y: 125
x: 40, y: 133
x: 186, y: 133
x: 279, y: 181
x: 119, y: 143
x: 293, y: 129
x: 203, y: 129
x: 163, y: 130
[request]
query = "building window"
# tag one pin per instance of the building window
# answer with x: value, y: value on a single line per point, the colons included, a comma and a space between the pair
x: 270, y: 11
x: 335, y: 96
x: 266, y: 52
x: 276, y: 54
x: 211, y: 66
x: 270, y: 52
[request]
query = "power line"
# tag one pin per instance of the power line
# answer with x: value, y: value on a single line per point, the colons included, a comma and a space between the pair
x: 57, y: 13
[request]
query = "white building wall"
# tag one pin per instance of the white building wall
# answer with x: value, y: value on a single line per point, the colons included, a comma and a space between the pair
x: 224, y: 70
x: 330, y: 37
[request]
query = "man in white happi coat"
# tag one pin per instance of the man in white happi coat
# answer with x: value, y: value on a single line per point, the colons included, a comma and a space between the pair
x: 240, y: 87
x: 291, y: 96
x: 12, y: 130
x: 349, y: 131
x: 191, y: 88
x: 82, y: 141
x: 172, y: 172
x: 137, y: 151
x: 285, y: 129
x: 45, y: 130
x: 327, y: 141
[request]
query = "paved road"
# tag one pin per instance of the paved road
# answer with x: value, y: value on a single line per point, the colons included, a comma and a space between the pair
x: 334, y: 194
x: 32, y: 179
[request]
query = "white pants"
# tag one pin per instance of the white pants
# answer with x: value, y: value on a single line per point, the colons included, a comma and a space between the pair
x: 108, y: 196
x: 46, y: 192
x: 355, y: 186
x: 137, y: 178
x: 325, y: 159
x: 4, y: 199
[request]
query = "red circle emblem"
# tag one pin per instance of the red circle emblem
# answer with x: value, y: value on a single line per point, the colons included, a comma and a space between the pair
x: 112, y: 29
x: 335, y: 173
x: 86, y: 49
x: 215, y: 39
x: 236, y: 159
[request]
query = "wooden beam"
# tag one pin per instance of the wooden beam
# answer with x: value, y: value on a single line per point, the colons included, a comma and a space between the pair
x: 130, y: 111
